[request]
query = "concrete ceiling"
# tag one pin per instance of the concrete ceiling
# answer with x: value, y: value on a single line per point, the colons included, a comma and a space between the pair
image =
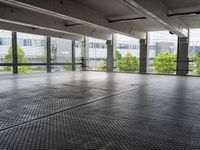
x: 110, y: 8
x: 119, y: 10
x: 102, y: 18
x: 177, y: 4
x: 185, y: 10
x: 191, y: 21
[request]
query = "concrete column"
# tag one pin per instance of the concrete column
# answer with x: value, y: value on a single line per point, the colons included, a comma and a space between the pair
x: 182, y: 56
x: 14, y: 53
x: 85, y: 53
x: 48, y: 54
x: 73, y: 56
x: 114, y: 43
x: 143, y: 56
x: 110, y: 55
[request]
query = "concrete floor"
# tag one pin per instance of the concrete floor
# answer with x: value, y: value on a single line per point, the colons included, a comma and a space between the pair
x: 91, y: 110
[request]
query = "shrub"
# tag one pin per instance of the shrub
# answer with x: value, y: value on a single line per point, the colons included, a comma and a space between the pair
x: 102, y: 66
x: 197, y: 66
x: 165, y: 62
x: 21, y: 59
x: 127, y: 63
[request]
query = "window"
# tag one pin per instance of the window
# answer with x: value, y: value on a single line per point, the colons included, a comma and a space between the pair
x: 194, y: 52
x: 27, y: 42
x: 97, y: 45
x: 78, y: 54
x: 77, y: 44
x: 61, y: 52
x: 127, y: 53
x: 31, y: 49
x: 97, y: 54
x: 5, y: 51
x: 1, y: 41
x: 162, y: 52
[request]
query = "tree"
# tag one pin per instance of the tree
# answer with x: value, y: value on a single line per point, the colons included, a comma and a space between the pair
x: 21, y: 59
x: 127, y: 63
x: 118, y: 55
x: 68, y: 67
x: 43, y: 58
x: 102, y: 66
x: 197, y: 66
x: 197, y: 62
x: 165, y: 62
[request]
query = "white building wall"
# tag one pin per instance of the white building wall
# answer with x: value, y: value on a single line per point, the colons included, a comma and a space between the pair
x: 125, y: 40
x: 64, y: 46
x: 32, y: 51
x: 194, y: 37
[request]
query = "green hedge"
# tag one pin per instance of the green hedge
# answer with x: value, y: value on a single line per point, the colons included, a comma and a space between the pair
x: 165, y: 62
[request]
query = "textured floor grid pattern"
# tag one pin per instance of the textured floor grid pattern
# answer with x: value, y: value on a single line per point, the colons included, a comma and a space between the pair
x: 90, y: 110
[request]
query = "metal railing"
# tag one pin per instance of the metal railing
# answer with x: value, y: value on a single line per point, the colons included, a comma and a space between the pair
x: 93, y: 63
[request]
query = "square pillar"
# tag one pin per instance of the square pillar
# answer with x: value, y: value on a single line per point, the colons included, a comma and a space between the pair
x: 73, y: 56
x: 182, y: 56
x: 143, y: 56
x: 14, y: 53
x: 110, y: 56
x: 48, y: 54
x: 85, y: 53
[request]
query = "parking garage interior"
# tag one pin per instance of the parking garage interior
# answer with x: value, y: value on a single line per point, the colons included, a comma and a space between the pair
x: 117, y: 74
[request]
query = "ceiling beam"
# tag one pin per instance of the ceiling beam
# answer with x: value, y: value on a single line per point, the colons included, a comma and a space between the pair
x: 35, y: 20
x: 157, y: 11
x: 184, y: 11
x: 127, y: 20
x: 69, y: 10
x: 32, y: 30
